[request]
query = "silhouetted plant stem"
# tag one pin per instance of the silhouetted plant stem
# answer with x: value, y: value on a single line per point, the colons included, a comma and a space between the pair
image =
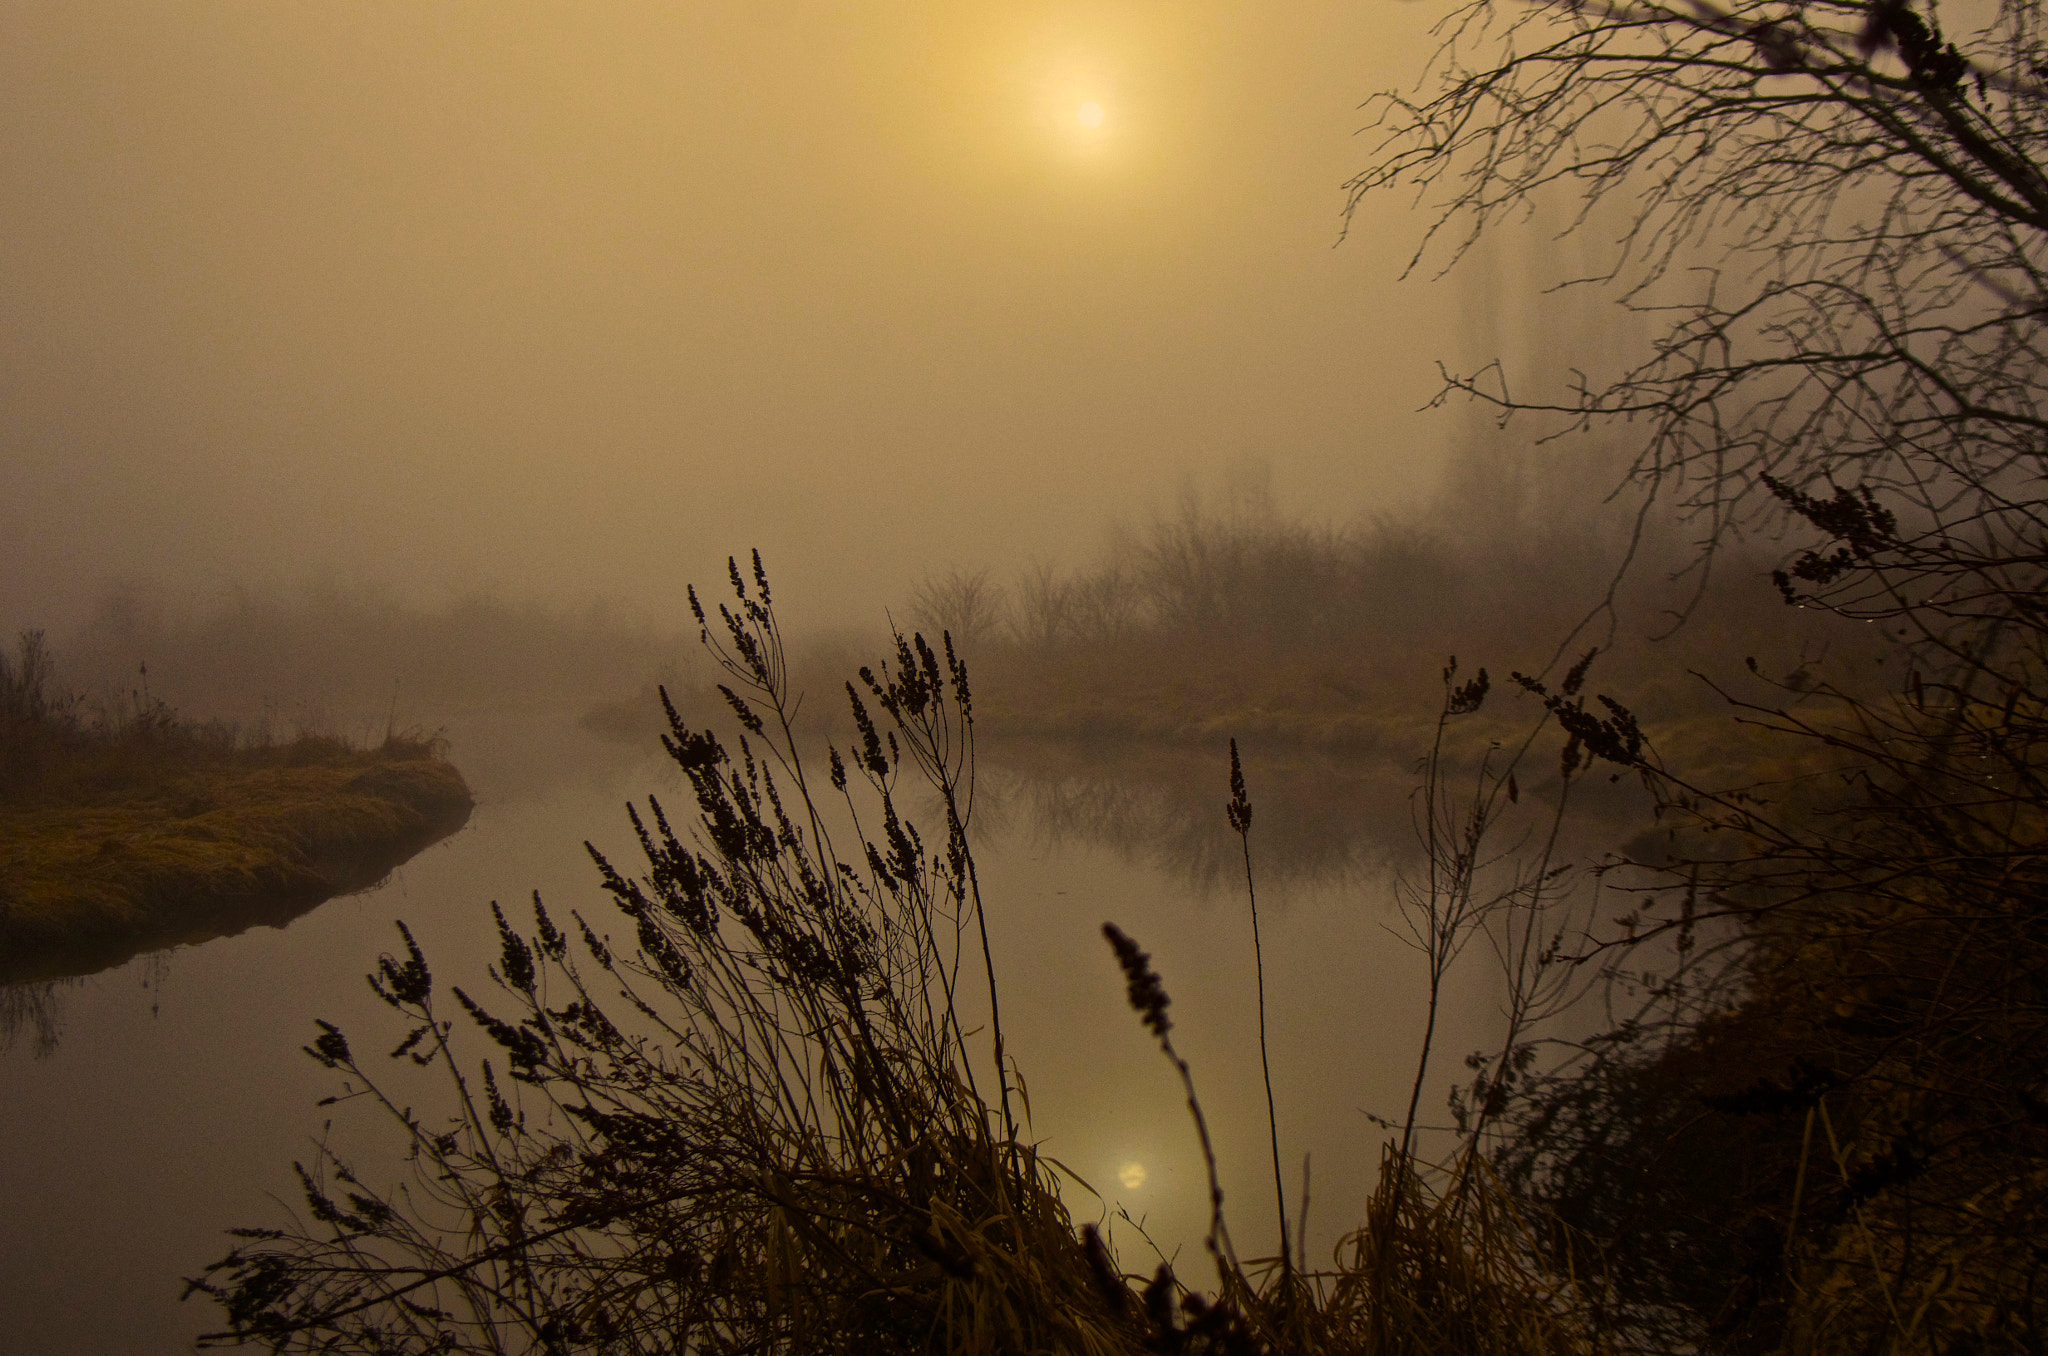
x: 1148, y: 998
x: 943, y: 748
x: 1240, y: 813
x: 956, y: 827
x: 995, y: 1008
x: 1449, y: 892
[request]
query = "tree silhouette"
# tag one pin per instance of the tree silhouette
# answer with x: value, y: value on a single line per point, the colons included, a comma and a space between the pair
x: 1834, y: 214
x: 1820, y: 1127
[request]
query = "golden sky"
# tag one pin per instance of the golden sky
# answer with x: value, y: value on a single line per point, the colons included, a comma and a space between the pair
x: 578, y: 297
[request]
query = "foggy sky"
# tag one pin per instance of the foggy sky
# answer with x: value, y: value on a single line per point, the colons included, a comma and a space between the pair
x: 576, y: 298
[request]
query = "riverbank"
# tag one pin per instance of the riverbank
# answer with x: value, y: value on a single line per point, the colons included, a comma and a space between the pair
x: 90, y: 877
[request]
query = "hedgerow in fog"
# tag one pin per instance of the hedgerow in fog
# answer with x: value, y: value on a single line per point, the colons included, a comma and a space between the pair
x: 1227, y: 618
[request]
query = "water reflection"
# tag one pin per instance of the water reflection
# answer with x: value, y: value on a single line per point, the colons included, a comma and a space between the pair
x: 1323, y: 823
x: 33, y: 1013
x: 35, y: 980
x: 1071, y: 836
x: 1320, y: 822
x: 69, y: 958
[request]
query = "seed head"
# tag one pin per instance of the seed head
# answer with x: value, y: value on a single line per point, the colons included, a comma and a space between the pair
x: 1147, y: 996
x: 1240, y: 808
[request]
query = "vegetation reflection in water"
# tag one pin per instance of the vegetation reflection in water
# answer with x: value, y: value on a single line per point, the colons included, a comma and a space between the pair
x: 1330, y: 821
x: 33, y: 1012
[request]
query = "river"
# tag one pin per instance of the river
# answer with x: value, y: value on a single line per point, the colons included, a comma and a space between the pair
x: 147, y: 1109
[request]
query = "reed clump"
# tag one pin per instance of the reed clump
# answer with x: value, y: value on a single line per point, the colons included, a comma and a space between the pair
x: 763, y: 1119
x: 761, y: 1116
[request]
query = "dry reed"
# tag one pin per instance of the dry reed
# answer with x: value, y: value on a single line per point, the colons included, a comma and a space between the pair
x: 779, y: 1135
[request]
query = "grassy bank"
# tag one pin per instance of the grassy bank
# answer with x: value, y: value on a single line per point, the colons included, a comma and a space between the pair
x: 128, y: 832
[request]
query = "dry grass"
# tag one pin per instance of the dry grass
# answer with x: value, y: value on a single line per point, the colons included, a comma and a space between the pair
x: 125, y: 850
x: 761, y: 1122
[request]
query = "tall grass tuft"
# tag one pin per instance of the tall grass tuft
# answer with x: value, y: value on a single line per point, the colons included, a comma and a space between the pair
x: 781, y: 1138
x: 760, y: 1120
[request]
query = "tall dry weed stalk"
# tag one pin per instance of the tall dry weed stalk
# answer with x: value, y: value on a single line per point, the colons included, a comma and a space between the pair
x: 1446, y: 1260
x: 1239, y: 813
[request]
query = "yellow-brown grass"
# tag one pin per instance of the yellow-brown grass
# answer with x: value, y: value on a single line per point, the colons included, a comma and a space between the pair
x: 91, y: 877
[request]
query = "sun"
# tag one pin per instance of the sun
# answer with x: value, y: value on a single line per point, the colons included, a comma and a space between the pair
x: 1132, y: 1175
x: 1089, y: 114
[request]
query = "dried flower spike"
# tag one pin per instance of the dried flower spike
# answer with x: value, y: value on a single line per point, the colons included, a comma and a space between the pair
x: 1148, y: 997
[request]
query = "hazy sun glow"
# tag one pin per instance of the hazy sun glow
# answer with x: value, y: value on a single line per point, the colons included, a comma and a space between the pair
x: 1081, y: 95
x: 1132, y: 1175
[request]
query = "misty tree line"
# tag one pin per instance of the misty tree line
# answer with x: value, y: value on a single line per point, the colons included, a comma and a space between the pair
x: 1233, y: 568
x: 1198, y: 566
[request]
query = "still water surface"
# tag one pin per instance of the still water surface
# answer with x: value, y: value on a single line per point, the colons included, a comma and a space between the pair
x: 175, y: 1097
